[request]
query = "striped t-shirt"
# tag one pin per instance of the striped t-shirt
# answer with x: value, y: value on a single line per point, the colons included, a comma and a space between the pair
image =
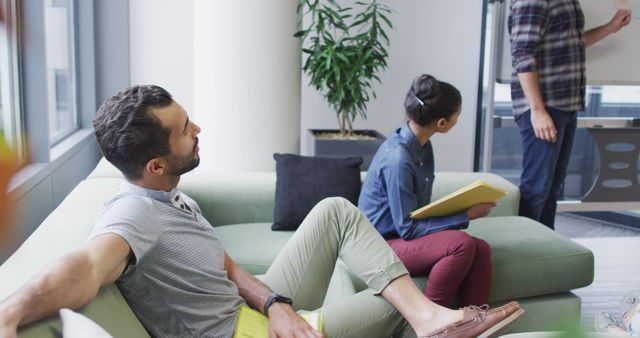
x: 547, y: 36
x: 176, y: 284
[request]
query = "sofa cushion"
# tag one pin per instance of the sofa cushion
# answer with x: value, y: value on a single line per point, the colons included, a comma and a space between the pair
x: 253, y: 246
x: 521, y: 249
x: 304, y: 181
x: 530, y: 259
x: 109, y: 310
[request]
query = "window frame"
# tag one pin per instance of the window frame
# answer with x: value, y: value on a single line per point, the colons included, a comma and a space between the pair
x: 55, y: 139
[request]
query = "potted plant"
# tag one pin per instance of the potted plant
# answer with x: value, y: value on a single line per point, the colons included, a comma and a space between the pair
x: 346, y: 47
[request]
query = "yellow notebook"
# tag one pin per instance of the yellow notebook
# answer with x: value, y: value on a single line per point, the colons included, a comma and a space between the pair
x: 460, y: 200
x: 253, y: 324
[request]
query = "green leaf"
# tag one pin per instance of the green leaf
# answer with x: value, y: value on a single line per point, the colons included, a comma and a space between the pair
x: 342, y: 66
x: 386, y: 20
x: 384, y: 36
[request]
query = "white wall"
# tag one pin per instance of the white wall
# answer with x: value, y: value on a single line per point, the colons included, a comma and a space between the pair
x: 247, y: 83
x: 233, y: 65
x: 440, y: 37
x: 112, y: 50
x: 161, y: 44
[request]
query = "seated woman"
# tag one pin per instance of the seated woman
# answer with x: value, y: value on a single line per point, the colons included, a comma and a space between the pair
x: 400, y: 180
x: 627, y: 322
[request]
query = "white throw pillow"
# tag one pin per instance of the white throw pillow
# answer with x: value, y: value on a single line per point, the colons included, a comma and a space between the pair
x: 75, y: 325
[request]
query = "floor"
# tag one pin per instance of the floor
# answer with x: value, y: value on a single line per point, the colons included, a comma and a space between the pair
x: 617, y: 262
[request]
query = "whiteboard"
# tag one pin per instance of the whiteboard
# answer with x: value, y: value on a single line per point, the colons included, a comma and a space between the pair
x: 612, y: 61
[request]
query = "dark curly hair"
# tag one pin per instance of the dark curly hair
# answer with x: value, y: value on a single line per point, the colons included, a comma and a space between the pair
x: 429, y: 99
x: 128, y: 133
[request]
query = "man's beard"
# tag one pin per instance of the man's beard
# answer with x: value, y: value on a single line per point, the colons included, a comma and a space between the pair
x: 182, y: 164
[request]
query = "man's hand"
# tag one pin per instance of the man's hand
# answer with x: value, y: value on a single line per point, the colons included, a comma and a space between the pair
x: 619, y: 20
x: 480, y: 210
x: 543, y: 125
x: 284, y: 322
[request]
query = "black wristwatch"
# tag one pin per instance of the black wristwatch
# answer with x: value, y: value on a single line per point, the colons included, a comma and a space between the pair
x: 274, y: 297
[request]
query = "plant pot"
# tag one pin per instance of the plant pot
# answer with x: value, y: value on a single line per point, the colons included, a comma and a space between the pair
x: 344, y: 147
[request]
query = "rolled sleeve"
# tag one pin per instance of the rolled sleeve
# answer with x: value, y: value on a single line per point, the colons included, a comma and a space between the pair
x: 526, y: 27
x: 435, y: 224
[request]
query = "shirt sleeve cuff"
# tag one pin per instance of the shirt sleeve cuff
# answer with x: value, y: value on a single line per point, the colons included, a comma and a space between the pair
x: 524, y: 64
x: 463, y: 220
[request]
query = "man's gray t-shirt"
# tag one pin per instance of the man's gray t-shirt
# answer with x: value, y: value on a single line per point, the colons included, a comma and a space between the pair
x: 176, y: 283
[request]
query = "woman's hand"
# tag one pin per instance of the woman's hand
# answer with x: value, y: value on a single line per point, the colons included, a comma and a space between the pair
x: 480, y: 210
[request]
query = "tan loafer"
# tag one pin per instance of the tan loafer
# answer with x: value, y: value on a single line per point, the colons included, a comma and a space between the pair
x: 480, y: 322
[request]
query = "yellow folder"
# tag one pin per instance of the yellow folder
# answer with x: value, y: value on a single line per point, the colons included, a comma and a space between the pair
x: 460, y: 200
x: 253, y: 324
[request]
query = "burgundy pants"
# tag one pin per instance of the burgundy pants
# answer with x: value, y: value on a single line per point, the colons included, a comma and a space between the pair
x: 457, y: 263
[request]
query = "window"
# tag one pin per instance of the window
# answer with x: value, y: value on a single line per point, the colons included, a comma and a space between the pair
x: 10, y: 118
x: 60, y: 61
x: 62, y: 90
x: 621, y: 95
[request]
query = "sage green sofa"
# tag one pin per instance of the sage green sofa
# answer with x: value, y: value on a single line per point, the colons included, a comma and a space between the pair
x: 532, y: 264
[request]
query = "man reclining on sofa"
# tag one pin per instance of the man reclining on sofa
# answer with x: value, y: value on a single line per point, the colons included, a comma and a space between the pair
x: 170, y: 266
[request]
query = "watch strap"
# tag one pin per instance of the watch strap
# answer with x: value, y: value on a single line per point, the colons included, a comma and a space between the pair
x: 274, y: 297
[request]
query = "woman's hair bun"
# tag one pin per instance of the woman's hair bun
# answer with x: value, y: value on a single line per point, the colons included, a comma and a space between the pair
x: 429, y: 99
x: 426, y: 87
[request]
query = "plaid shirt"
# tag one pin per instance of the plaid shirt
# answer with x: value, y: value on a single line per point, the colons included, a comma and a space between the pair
x: 547, y: 37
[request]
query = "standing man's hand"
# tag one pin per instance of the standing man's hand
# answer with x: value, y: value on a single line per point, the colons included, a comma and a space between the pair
x: 620, y: 19
x: 284, y: 322
x: 543, y: 125
x: 480, y: 210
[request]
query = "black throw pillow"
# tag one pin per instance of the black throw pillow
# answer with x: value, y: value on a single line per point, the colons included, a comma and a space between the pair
x: 304, y: 181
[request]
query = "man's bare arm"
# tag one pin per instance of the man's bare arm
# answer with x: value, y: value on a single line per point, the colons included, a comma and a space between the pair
x: 283, y: 320
x: 619, y: 20
x: 254, y: 292
x: 71, y: 282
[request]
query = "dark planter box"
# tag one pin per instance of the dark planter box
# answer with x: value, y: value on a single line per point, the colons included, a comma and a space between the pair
x: 345, y: 148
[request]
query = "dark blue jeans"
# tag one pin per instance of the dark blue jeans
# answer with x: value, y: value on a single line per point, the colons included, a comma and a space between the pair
x: 544, y: 166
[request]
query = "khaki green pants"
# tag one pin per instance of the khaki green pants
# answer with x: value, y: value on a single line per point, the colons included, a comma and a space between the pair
x: 336, y: 229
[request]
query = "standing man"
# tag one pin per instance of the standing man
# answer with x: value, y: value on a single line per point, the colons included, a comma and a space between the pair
x: 547, y: 90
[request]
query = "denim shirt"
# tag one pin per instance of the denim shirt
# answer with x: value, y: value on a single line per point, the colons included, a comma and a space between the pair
x: 400, y: 180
